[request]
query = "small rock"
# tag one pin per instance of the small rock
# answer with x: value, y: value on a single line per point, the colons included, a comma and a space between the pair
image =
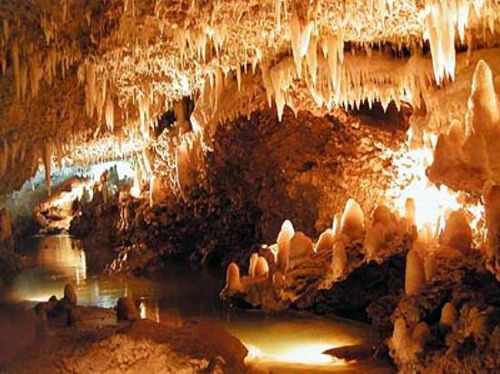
x: 70, y: 294
x: 126, y: 310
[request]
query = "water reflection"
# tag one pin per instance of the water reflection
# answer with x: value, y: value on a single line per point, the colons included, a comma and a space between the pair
x: 275, y: 342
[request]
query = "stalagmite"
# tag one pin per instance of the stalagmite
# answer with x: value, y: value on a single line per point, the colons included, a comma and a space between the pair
x: 300, y: 246
x: 70, y: 294
x: 483, y: 115
x: 374, y: 239
x: 429, y: 266
x: 414, y: 273
x: 382, y: 215
x: 261, y: 267
x: 325, y: 241
x: 285, y: 235
x: 336, y: 224
x: 253, y: 262
x: 448, y: 315
x: 457, y: 232
x: 400, y: 335
x: 352, y: 221
x: 126, y: 310
x: 420, y: 336
x: 339, y: 258
x: 233, y: 282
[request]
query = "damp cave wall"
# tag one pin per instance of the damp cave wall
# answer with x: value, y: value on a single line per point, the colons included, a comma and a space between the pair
x: 262, y: 171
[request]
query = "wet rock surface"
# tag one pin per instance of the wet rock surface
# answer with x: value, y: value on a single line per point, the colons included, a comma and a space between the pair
x: 97, y: 343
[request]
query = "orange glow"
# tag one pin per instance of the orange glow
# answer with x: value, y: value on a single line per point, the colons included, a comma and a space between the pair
x: 432, y: 203
x: 298, y: 353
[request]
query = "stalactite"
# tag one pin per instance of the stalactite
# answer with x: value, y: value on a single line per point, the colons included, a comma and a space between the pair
x: 5, y: 29
x: 47, y: 162
x: 109, y: 114
x: 23, y: 79
x: 90, y: 89
x: 312, y: 59
x: 143, y: 106
x: 295, y: 36
x: 15, y: 66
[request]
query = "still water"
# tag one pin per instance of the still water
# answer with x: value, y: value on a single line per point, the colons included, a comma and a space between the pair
x: 277, y: 344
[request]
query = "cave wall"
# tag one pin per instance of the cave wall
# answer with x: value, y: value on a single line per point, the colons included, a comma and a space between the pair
x: 303, y: 168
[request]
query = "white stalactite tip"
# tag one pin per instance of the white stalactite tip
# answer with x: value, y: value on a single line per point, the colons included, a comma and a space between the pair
x: 352, y: 221
x: 415, y: 273
x: 448, y: 315
x: 457, y: 232
x: 301, y: 246
x: 285, y: 235
x: 253, y: 262
x: 325, y: 241
x: 233, y: 282
x: 339, y: 258
x: 261, y: 267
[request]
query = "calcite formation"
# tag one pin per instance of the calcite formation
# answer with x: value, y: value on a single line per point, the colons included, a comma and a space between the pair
x: 60, y: 56
x: 311, y: 267
x: 466, y: 156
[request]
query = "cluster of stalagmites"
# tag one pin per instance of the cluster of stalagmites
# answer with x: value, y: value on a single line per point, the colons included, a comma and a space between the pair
x: 450, y: 280
x: 295, y: 267
x: 293, y: 271
x: 468, y: 155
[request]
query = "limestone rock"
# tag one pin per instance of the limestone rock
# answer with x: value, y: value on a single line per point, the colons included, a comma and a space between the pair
x: 70, y: 294
x: 126, y: 310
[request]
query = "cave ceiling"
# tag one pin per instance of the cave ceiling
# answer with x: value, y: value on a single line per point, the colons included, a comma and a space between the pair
x: 79, y: 72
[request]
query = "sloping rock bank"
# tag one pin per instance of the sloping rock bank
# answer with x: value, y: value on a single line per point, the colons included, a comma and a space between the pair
x: 97, y: 343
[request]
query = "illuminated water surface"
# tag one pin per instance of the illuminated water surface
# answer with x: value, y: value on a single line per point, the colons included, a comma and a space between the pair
x: 277, y: 344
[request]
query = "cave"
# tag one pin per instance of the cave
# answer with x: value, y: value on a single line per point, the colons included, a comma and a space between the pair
x: 245, y: 186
